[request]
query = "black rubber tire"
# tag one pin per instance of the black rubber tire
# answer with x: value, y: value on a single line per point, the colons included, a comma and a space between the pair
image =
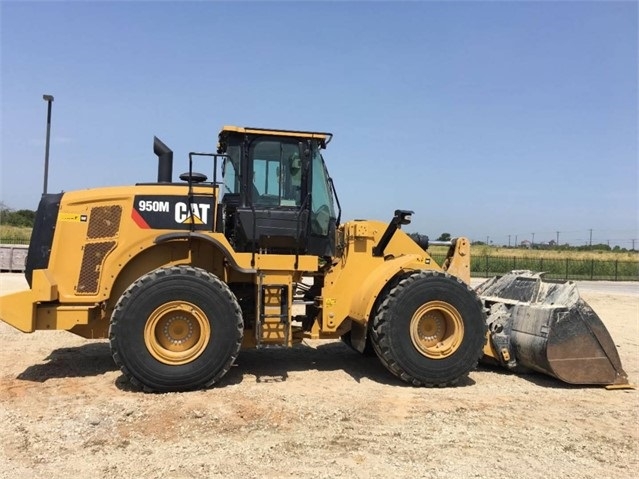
x: 391, y: 337
x: 151, y: 291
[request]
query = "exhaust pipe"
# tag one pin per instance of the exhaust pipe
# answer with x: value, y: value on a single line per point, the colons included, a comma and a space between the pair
x: 165, y: 161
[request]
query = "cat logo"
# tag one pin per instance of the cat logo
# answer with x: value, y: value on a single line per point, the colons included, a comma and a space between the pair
x: 173, y: 212
x: 198, y: 215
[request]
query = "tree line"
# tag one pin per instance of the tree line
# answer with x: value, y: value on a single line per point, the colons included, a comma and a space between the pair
x: 11, y: 217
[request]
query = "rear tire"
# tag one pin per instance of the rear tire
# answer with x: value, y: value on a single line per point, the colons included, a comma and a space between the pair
x: 430, y: 329
x: 175, y: 329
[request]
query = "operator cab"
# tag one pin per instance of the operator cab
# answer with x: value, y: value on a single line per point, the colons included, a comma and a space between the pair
x: 277, y: 196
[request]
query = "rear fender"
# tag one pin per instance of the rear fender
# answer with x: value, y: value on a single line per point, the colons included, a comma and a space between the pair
x: 173, y: 249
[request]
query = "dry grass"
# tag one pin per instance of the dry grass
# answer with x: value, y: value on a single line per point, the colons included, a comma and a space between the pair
x: 14, y: 234
x: 483, y: 250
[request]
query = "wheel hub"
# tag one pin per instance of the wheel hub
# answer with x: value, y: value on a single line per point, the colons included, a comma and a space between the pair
x: 177, y: 332
x: 436, y: 329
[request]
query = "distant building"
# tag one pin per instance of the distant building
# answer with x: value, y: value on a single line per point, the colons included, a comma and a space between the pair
x: 525, y: 244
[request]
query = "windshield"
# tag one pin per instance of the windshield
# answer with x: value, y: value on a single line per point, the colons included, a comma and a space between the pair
x: 322, y: 205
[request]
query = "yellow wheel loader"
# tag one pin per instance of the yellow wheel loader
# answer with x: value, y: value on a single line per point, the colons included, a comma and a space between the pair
x: 181, y: 275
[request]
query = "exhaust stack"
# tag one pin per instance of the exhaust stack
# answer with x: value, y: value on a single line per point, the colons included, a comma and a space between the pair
x: 165, y: 161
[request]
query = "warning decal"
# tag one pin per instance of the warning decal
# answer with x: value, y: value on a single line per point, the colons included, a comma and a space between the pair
x: 72, y: 217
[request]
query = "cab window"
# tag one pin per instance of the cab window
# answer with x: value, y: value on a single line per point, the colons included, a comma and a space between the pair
x: 277, y: 173
x: 322, y: 207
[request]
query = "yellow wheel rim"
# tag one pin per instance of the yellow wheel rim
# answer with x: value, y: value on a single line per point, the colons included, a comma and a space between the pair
x: 436, y: 329
x: 177, y: 332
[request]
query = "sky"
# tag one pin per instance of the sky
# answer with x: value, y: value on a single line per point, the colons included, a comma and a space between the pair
x: 491, y: 120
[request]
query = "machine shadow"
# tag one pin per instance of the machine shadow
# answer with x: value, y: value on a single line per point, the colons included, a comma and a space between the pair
x: 90, y: 359
x: 266, y: 365
x: 274, y: 365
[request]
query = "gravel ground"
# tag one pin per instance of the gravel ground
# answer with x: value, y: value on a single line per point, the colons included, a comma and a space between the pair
x: 316, y: 411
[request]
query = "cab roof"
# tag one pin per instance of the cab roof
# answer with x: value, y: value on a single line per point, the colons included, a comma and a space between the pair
x: 324, y: 137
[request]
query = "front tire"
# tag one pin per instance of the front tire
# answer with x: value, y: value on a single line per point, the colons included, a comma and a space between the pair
x: 175, y: 329
x: 430, y: 329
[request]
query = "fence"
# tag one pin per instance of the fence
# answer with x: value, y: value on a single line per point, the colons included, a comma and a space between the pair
x: 7, y: 241
x: 564, y: 269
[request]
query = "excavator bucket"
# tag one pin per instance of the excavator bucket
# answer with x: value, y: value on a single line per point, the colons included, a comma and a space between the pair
x: 545, y: 326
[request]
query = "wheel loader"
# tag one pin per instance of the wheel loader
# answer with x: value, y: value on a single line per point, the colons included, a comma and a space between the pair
x: 180, y: 276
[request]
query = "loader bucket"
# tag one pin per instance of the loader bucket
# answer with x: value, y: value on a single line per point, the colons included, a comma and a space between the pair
x: 545, y: 326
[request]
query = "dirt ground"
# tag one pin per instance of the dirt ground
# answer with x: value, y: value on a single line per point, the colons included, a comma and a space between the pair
x: 317, y: 411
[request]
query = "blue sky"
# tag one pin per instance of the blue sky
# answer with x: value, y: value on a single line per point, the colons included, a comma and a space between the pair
x: 487, y: 119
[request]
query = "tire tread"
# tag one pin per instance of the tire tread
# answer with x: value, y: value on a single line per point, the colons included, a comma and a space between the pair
x: 379, y: 336
x: 151, y: 277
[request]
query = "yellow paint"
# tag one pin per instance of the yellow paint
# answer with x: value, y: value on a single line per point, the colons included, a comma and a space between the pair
x: 259, y: 131
x: 177, y: 332
x: 64, y: 316
x: 458, y: 261
x: 20, y: 309
x: 193, y: 220
x: 356, y: 278
x: 436, y: 329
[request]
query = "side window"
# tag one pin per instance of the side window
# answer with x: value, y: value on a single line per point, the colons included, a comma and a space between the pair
x: 230, y: 170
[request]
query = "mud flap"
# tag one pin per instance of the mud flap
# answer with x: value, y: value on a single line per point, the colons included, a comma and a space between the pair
x: 545, y: 326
